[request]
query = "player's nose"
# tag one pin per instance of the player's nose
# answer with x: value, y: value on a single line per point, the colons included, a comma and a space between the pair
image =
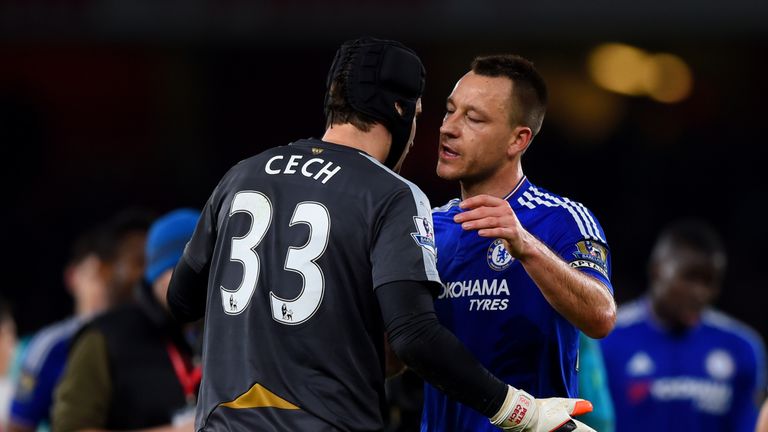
x: 450, y: 125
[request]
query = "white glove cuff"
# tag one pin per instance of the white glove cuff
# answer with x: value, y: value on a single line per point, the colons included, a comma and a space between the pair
x: 517, y: 411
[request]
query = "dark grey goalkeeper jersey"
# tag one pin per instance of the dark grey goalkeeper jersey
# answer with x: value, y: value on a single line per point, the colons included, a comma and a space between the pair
x: 297, y: 239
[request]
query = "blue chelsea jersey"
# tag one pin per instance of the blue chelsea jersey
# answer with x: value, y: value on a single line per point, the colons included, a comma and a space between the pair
x: 709, y: 377
x: 491, y: 304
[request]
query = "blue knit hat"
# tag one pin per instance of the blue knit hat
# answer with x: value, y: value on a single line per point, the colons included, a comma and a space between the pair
x: 166, y: 240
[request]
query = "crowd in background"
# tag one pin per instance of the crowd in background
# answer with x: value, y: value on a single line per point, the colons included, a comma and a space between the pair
x: 95, y: 369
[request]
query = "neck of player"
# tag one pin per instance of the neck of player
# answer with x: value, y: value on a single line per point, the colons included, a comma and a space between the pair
x: 375, y: 142
x: 498, y: 183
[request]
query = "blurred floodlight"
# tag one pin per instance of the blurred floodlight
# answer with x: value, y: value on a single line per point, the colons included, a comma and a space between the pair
x: 672, y: 80
x: 627, y: 70
x: 619, y: 68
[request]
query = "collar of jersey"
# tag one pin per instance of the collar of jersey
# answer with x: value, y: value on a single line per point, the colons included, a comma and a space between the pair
x: 522, y: 185
x: 314, y: 142
x: 518, y: 190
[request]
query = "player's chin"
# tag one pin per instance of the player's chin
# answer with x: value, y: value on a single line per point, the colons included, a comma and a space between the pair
x: 447, y: 171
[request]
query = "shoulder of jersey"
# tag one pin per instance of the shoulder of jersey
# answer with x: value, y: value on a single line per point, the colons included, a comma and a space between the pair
x: 261, y: 155
x: 539, y: 199
x: 253, y: 164
x: 247, y: 164
x: 47, y: 339
x: 730, y: 325
x: 397, y: 179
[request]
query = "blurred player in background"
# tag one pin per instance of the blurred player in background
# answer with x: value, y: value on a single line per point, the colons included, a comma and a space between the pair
x: 131, y: 367
x: 303, y: 249
x: 674, y: 363
x: 523, y: 269
x: 106, y: 262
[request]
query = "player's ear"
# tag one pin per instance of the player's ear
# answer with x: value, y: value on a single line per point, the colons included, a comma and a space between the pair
x: 519, y: 140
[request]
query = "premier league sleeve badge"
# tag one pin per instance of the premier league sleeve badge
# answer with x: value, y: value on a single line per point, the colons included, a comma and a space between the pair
x: 425, y: 234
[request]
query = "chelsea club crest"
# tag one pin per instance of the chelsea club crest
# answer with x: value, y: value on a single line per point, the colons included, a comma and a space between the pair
x: 498, y: 258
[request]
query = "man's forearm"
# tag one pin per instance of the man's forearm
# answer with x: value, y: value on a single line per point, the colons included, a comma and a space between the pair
x: 581, y: 299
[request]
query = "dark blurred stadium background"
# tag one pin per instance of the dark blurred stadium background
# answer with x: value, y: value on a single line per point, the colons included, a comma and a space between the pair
x: 108, y: 104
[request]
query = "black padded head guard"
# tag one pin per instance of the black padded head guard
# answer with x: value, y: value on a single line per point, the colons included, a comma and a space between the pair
x: 380, y: 73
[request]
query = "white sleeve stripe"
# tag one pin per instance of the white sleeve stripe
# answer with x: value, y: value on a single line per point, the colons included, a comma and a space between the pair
x: 587, y: 218
x: 584, y: 218
x: 538, y: 200
x: 526, y: 203
x: 592, y: 232
x: 591, y: 219
x: 565, y: 203
x: 584, y: 227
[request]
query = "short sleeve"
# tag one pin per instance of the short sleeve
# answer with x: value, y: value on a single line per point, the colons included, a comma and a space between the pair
x: 581, y: 243
x: 404, y: 240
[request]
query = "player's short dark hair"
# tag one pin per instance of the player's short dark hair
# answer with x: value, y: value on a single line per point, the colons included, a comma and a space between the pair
x: 694, y: 234
x: 340, y: 111
x: 529, y: 91
x: 108, y: 237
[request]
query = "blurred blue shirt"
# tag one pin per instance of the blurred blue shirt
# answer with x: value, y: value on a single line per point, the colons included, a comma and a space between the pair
x: 706, y: 378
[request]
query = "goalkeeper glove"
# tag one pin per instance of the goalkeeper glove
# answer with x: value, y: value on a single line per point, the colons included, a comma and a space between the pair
x: 521, y: 412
